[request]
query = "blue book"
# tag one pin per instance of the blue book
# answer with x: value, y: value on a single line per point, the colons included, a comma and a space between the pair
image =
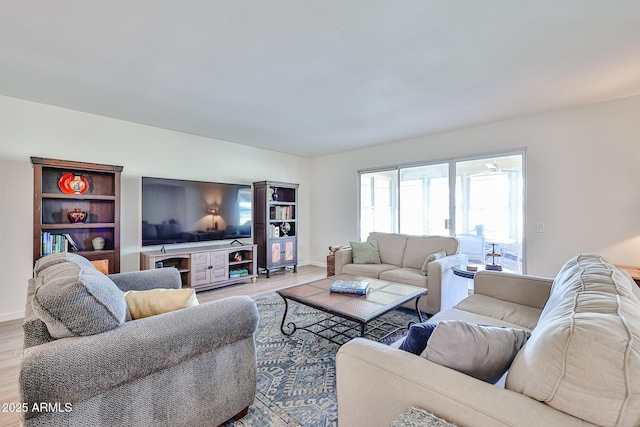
x: 350, y: 287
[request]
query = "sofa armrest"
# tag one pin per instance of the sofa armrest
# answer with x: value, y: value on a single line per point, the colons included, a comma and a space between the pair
x: 376, y: 383
x: 74, y: 369
x: 531, y: 291
x: 343, y: 256
x: 168, y: 278
x: 445, y: 288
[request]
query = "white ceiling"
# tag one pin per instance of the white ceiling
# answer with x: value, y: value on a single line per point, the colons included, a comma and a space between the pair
x: 315, y: 77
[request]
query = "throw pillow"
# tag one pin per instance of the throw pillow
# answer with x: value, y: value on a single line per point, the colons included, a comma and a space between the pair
x: 416, y: 340
x: 483, y: 352
x: 77, y: 301
x: 365, y: 252
x: 431, y: 258
x: 157, y: 301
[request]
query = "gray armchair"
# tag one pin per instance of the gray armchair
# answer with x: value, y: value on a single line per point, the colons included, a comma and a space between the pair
x: 195, y: 366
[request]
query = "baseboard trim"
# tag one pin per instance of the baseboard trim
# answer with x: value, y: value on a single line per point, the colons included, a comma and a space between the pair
x: 318, y: 264
x: 5, y: 317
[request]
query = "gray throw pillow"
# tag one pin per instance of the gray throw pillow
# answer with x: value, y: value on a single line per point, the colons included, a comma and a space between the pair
x: 440, y: 254
x: 365, y: 252
x: 75, y: 301
x: 483, y: 352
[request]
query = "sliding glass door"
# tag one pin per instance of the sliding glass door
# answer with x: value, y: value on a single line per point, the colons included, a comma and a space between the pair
x: 378, y: 202
x: 489, y: 209
x: 424, y: 199
x: 482, y: 205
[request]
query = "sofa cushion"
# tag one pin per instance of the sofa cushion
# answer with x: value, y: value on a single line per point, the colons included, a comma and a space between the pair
x: 74, y: 301
x: 583, y: 358
x: 60, y: 258
x: 483, y: 352
x: 409, y: 276
x: 391, y: 246
x: 516, y: 314
x: 152, y: 302
x: 365, y: 252
x: 434, y: 256
x: 418, y: 248
x: 457, y: 314
x: 368, y: 270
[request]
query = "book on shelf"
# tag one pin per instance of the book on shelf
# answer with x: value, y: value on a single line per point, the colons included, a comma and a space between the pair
x: 53, y: 243
x: 72, y: 243
x: 283, y: 212
x: 356, y: 287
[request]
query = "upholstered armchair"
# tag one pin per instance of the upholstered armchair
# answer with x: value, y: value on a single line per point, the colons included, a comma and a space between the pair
x: 193, y: 366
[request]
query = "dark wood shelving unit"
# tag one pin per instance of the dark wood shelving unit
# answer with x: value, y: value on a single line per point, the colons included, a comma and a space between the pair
x: 101, y: 201
x: 275, y: 219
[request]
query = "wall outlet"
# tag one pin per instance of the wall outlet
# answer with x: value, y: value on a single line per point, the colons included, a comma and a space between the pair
x: 540, y: 227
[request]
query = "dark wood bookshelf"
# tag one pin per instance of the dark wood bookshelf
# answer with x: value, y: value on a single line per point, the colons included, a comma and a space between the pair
x: 101, y: 201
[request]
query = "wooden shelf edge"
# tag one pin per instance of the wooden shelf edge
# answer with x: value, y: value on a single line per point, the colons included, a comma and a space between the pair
x: 78, y: 225
x: 78, y: 196
x: 70, y: 164
x: 90, y: 252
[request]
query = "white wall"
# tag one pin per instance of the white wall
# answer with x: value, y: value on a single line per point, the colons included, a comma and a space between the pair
x: 583, y: 181
x: 30, y: 129
x: 583, y: 178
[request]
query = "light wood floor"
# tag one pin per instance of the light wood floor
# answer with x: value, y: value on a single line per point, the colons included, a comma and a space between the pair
x: 11, y: 332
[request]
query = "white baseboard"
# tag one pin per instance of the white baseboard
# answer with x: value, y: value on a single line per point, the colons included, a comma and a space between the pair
x: 318, y: 264
x: 5, y: 317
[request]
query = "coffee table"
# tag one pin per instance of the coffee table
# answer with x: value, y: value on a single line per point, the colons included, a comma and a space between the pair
x: 347, y: 311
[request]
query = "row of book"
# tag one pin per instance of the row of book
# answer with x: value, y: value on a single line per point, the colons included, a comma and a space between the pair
x: 282, y: 212
x: 53, y: 243
x: 355, y: 287
x: 240, y: 272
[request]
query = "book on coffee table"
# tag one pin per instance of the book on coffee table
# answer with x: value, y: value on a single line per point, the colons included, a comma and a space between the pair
x: 350, y: 287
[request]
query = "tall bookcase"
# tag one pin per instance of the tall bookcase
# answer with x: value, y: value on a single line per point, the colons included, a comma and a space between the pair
x: 98, y: 194
x: 275, y: 224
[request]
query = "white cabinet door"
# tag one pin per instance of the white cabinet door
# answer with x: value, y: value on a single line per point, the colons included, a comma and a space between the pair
x: 200, y: 269
x: 220, y: 266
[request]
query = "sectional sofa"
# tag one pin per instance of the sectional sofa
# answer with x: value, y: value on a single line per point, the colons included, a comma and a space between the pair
x: 579, y: 367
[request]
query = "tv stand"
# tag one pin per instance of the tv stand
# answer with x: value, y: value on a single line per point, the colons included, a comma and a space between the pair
x: 206, y: 267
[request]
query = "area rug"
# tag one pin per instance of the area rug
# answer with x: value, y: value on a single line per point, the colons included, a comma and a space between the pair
x: 296, y: 374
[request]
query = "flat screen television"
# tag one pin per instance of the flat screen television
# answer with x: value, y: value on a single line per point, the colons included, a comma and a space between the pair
x: 181, y: 211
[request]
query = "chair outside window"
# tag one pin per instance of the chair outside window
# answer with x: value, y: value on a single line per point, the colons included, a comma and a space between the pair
x: 473, y: 246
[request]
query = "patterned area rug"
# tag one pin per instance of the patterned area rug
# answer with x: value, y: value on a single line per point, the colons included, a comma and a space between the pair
x: 296, y: 374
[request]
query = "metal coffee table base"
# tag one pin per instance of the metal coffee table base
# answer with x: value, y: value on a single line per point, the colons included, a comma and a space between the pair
x: 339, y: 329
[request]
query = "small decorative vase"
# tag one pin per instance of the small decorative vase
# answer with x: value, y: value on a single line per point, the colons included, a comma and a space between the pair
x: 76, y: 216
x: 98, y: 243
x: 78, y: 184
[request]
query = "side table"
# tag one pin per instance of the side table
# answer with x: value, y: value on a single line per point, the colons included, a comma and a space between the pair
x: 461, y: 270
x: 633, y: 271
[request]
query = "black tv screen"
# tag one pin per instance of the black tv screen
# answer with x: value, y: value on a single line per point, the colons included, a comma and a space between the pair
x: 180, y: 211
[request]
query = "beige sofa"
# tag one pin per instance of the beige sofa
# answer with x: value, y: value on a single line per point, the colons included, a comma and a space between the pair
x: 580, y: 367
x: 402, y: 257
